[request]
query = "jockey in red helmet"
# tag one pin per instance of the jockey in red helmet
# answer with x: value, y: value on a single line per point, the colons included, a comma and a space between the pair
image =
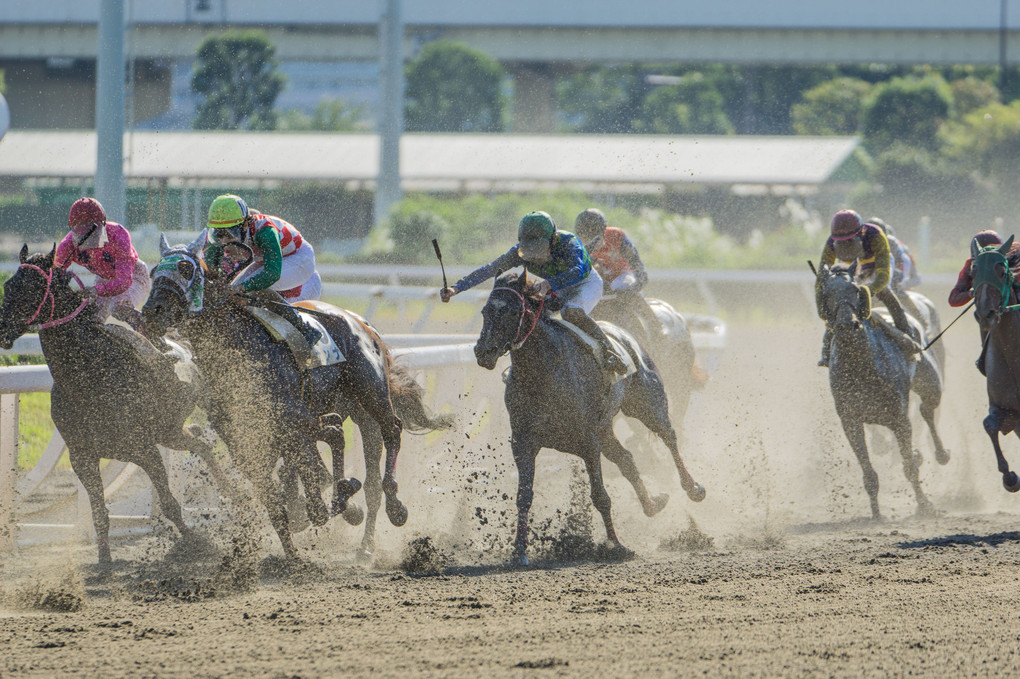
x: 851, y: 240
x: 104, y: 248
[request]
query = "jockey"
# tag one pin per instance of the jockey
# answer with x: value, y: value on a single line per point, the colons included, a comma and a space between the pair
x: 559, y: 258
x: 284, y: 266
x: 104, y: 248
x: 866, y: 243
x: 904, y: 275
x: 963, y: 292
x: 618, y: 262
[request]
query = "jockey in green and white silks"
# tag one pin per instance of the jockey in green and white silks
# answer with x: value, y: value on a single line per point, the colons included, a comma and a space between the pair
x: 560, y: 259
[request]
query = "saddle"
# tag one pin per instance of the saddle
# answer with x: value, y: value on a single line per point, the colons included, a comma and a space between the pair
x: 596, y: 349
x: 322, y: 353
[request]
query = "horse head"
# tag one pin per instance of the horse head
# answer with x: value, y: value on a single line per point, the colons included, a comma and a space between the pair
x: 843, y: 301
x: 178, y: 285
x: 992, y: 280
x: 508, y: 317
x: 36, y: 293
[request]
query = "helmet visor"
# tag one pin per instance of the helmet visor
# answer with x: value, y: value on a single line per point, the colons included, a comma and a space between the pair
x: 231, y: 234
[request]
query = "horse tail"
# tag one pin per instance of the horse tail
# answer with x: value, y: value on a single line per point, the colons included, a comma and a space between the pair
x: 408, y: 399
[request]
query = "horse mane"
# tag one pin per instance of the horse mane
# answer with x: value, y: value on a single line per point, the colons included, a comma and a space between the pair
x: 512, y: 280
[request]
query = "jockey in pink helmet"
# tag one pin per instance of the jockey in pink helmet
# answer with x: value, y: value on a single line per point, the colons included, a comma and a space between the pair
x: 104, y: 248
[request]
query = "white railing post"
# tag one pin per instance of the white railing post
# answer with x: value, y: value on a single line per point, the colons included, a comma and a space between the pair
x: 8, y: 469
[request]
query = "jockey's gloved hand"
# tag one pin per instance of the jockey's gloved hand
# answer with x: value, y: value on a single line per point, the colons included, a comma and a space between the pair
x: 543, y: 288
x: 625, y: 282
x: 90, y: 292
x: 446, y: 293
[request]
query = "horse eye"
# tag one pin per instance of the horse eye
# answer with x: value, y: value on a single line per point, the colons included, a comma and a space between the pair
x: 186, y: 269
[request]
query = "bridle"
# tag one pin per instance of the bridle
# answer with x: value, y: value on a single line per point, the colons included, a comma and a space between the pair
x: 852, y: 303
x: 518, y: 340
x: 48, y: 275
x: 166, y: 276
x: 988, y: 278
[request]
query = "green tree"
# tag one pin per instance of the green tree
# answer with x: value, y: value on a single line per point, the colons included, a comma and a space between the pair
x: 604, y: 99
x: 971, y: 93
x: 691, y: 106
x: 987, y: 141
x: 330, y: 115
x: 454, y: 88
x: 908, y: 110
x: 831, y: 108
x: 237, y: 75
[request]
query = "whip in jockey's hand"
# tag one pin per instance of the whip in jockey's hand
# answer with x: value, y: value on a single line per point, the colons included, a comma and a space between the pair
x: 446, y: 293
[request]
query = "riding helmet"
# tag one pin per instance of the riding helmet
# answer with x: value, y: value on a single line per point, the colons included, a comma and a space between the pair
x: 534, y: 233
x: 590, y: 224
x: 845, y: 225
x: 226, y: 211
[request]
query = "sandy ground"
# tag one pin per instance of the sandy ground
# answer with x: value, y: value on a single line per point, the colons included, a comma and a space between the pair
x: 777, y: 573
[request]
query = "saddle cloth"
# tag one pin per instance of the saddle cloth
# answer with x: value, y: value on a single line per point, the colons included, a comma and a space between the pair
x: 596, y: 349
x: 324, y: 352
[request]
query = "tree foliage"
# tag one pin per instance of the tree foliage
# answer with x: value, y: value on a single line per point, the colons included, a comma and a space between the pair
x: 987, y: 141
x: 454, y: 88
x: 691, y: 106
x: 237, y: 75
x: 604, y: 99
x: 330, y: 115
x: 831, y: 108
x: 908, y: 110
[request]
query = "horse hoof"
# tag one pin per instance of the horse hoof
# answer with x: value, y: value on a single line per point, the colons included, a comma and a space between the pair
x: 364, y: 556
x: 353, y: 515
x: 397, y: 513
x: 656, y: 504
x: 520, y: 561
x: 942, y: 457
x: 1010, y: 482
x: 697, y: 493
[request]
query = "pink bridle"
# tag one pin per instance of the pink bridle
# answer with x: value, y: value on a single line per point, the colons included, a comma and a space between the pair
x: 48, y: 275
x: 518, y: 340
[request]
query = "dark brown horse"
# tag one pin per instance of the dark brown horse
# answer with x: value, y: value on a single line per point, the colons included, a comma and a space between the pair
x: 112, y: 397
x: 558, y: 397
x: 996, y: 310
x: 871, y: 380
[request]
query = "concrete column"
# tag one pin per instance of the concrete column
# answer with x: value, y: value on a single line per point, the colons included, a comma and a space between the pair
x: 534, y: 103
x: 110, y: 97
x: 8, y: 469
x: 391, y: 117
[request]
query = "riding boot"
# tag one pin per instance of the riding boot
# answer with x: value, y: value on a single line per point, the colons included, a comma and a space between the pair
x: 583, y: 321
x: 823, y: 362
x: 275, y: 302
x: 908, y: 305
x: 645, y: 312
x: 908, y: 341
x: 133, y: 317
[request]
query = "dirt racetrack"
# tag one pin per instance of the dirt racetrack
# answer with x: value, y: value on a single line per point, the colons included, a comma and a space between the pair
x: 777, y: 573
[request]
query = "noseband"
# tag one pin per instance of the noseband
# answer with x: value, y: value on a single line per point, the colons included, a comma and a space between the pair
x: 518, y: 340
x: 48, y: 275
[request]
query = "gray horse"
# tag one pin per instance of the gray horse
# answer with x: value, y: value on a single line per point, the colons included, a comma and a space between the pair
x: 558, y: 397
x: 871, y: 380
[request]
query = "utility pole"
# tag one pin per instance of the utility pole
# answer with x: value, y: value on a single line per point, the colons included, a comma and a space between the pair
x: 391, y: 115
x: 110, y: 189
x: 1003, y: 41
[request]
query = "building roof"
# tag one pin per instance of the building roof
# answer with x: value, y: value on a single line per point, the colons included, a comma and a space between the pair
x: 445, y: 162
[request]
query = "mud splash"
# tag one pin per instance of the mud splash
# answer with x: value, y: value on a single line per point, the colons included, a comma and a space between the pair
x: 690, y: 539
x: 422, y: 557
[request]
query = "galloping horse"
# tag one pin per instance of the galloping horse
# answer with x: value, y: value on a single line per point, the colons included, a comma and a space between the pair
x: 113, y: 397
x: 995, y: 303
x: 266, y: 405
x: 558, y: 397
x: 672, y: 350
x: 871, y: 380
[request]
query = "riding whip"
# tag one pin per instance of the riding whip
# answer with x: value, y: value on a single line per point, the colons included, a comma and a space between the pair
x: 949, y: 326
x: 435, y: 244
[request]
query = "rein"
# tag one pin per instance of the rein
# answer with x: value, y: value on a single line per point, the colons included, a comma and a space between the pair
x: 518, y: 341
x: 48, y: 275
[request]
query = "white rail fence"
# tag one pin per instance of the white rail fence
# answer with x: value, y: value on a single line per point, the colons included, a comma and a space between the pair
x: 444, y: 363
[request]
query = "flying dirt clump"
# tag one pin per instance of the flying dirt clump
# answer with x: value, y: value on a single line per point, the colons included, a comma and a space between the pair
x: 67, y: 595
x: 421, y: 557
x: 690, y: 539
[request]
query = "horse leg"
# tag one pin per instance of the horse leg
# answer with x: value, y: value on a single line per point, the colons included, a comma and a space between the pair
x: 928, y: 385
x: 622, y: 458
x: 376, y: 402
x: 193, y: 439
x: 524, y: 458
x: 855, y: 436
x: 343, y: 488
x: 599, y: 496
x: 151, y: 462
x: 928, y: 413
x: 269, y: 494
x: 86, y: 467
x: 372, y: 443
x: 992, y: 424
x: 902, y: 431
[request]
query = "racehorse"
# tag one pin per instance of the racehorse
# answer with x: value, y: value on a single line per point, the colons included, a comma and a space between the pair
x: 558, y: 397
x: 995, y: 303
x: 264, y: 403
x: 672, y: 350
x: 114, y: 395
x: 871, y: 380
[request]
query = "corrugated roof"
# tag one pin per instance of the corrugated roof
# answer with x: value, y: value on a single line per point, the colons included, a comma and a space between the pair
x: 439, y: 161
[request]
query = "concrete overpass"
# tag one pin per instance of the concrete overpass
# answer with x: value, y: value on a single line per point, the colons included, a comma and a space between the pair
x: 50, y: 45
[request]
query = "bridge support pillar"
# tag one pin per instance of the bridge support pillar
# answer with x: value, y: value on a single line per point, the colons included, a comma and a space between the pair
x: 8, y: 469
x: 534, y: 102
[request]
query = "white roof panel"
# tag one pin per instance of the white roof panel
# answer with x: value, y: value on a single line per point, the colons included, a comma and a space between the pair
x: 437, y: 160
